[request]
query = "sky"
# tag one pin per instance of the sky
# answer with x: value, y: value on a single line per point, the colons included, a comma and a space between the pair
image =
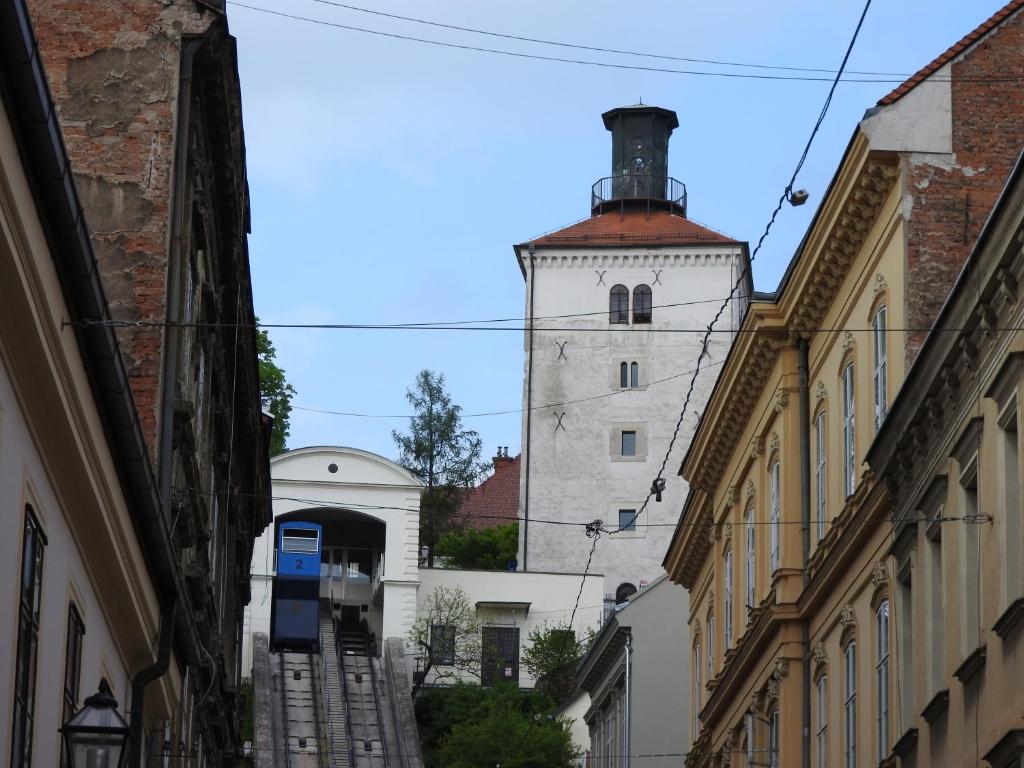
x: 389, y: 179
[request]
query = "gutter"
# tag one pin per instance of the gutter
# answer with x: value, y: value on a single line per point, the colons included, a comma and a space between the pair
x: 37, y: 130
x: 529, y: 417
x: 147, y: 675
x: 805, y: 537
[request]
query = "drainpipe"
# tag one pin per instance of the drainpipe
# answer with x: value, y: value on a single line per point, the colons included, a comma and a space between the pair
x: 529, y: 417
x: 805, y: 536
x: 628, y: 730
x: 172, y: 334
x: 146, y: 676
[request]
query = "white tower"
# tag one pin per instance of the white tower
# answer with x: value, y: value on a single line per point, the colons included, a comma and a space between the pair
x: 617, y: 304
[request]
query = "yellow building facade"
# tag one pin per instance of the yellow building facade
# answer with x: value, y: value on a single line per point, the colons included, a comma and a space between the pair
x: 784, y: 541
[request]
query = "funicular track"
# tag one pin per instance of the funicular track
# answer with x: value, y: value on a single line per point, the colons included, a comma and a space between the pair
x: 363, y: 691
x: 299, y: 735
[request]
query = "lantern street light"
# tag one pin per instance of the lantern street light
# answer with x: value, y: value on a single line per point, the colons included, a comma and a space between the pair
x: 97, y: 736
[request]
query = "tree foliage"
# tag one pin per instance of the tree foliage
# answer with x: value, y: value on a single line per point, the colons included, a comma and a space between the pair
x: 441, y: 453
x: 489, y: 549
x: 552, y: 655
x: 452, y: 651
x: 467, y: 726
x: 275, y: 391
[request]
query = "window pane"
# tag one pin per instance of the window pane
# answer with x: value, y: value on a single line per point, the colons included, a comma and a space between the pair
x: 627, y: 519
x: 623, y: 379
x: 634, y: 375
x: 618, y: 304
x: 629, y: 443
x: 642, y: 304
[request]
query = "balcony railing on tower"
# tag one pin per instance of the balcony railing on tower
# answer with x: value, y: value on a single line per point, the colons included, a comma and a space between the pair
x: 657, y: 191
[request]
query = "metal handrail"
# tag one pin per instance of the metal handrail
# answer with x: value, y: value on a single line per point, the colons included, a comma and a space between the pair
x: 638, y: 186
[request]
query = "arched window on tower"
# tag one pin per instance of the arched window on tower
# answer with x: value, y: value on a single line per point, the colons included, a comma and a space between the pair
x: 641, y: 304
x: 634, y: 374
x: 623, y: 374
x: 618, y: 304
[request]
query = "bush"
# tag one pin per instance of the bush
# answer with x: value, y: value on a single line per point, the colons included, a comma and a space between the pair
x: 488, y: 549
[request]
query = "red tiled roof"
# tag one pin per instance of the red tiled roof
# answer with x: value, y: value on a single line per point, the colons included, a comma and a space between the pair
x: 951, y: 53
x: 634, y: 227
x: 496, y: 500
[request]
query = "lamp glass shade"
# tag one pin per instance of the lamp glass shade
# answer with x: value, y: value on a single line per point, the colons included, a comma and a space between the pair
x: 97, y: 736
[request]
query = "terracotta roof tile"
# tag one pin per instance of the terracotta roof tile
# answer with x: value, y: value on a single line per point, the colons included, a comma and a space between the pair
x: 951, y: 53
x: 496, y: 500
x: 634, y: 227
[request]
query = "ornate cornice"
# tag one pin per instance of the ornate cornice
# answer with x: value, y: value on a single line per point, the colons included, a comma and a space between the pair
x: 880, y: 284
x: 879, y: 575
x: 819, y: 656
x: 837, y: 234
x: 666, y: 256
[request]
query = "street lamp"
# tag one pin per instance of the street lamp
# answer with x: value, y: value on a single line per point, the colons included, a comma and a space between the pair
x: 97, y: 736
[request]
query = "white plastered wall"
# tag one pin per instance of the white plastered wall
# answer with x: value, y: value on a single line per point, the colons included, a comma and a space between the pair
x: 364, y: 483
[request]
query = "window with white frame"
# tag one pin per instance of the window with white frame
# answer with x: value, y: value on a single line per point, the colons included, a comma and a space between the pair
x: 849, y: 436
x: 882, y: 678
x: 751, y: 565
x: 1013, y: 515
x: 821, y: 732
x: 773, y: 527
x: 748, y: 727
x: 698, y: 663
x: 821, y: 489
x: 727, y: 607
x: 850, y: 704
x: 773, y: 739
x: 30, y: 592
x: 711, y: 645
x: 878, y: 324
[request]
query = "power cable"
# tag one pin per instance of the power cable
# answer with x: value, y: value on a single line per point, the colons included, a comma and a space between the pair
x: 598, y: 49
x: 658, y: 486
x: 611, y: 393
x: 611, y: 328
x: 557, y: 59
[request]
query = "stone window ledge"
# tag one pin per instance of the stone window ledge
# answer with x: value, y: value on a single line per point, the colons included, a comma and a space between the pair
x: 971, y: 665
x: 1011, y: 617
x: 934, y: 708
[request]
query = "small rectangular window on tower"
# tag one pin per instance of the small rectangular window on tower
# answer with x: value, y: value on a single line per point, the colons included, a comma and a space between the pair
x: 628, y: 442
x: 627, y: 519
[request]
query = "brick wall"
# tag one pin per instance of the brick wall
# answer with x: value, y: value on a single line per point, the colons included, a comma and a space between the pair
x: 951, y: 200
x: 113, y: 67
x: 496, y: 500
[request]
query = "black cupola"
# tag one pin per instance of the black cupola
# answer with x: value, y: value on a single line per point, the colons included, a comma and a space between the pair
x: 640, y: 137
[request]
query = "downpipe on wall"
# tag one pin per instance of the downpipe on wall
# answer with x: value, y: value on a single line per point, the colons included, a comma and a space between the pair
x: 626, y: 739
x: 805, y: 536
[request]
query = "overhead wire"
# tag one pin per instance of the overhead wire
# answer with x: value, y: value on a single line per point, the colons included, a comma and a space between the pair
x: 597, y: 49
x: 605, y: 64
x: 562, y: 60
x: 543, y: 406
x: 658, y: 485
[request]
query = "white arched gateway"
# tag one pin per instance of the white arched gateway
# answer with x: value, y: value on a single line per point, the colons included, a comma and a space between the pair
x: 369, y: 509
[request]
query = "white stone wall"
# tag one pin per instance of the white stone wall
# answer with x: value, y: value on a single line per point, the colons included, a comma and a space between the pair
x: 24, y: 480
x: 574, y: 475
x: 365, y: 483
x: 551, y: 597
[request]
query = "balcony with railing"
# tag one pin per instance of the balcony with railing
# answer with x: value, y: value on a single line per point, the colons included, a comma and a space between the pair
x: 663, y: 192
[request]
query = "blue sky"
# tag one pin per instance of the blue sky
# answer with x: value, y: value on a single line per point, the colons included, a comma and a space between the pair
x: 390, y: 179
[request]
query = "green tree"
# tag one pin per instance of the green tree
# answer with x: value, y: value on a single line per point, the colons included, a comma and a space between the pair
x: 447, y: 637
x: 501, y: 733
x: 275, y: 391
x: 441, y: 453
x: 489, y: 549
x: 552, y: 655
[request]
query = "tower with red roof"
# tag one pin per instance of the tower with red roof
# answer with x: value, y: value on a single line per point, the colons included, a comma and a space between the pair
x: 616, y: 307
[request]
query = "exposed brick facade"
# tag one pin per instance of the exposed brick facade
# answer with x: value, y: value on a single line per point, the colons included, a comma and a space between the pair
x: 496, y: 500
x: 113, y: 70
x: 159, y: 164
x: 950, y: 201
